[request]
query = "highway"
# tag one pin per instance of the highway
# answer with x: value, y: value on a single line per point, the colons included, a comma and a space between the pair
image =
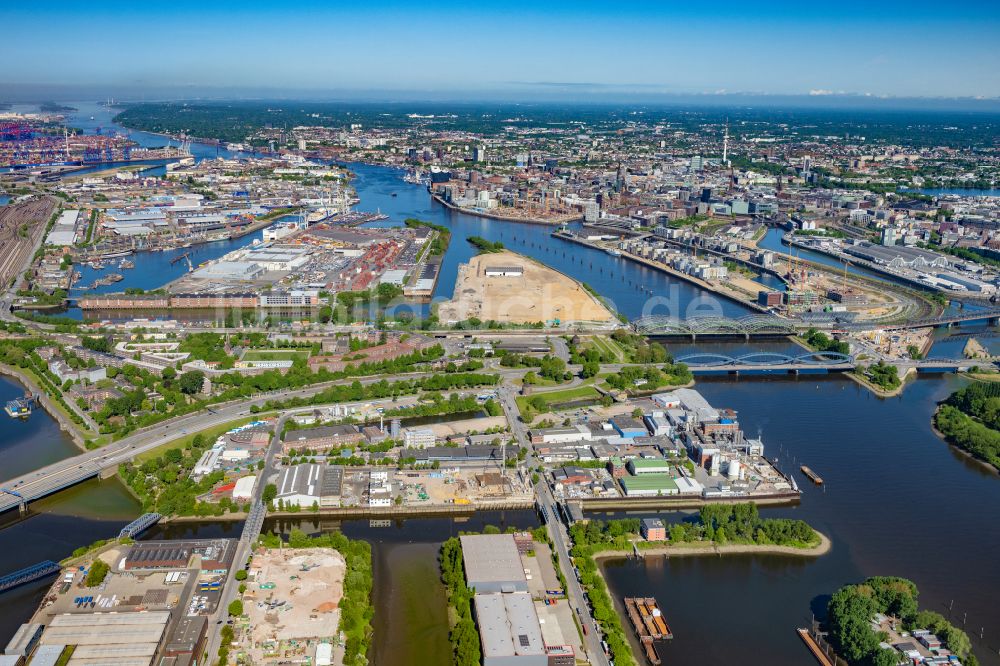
x: 57, y: 476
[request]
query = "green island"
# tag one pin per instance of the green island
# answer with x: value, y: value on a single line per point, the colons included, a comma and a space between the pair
x: 970, y: 419
x: 716, y: 529
x: 892, y: 603
x: 485, y: 246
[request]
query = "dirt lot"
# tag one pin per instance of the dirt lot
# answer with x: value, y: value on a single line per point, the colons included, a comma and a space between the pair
x: 468, y: 425
x: 308, y: 586
x: 539, y: 294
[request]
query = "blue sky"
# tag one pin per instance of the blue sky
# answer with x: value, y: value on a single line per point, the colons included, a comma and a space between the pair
x: 775, y: 47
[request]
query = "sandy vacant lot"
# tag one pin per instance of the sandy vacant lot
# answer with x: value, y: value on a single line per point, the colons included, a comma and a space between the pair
x: 540, y: 294
x: 309, y: 581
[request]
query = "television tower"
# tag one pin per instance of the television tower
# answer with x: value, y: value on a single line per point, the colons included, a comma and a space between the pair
x: 725, y: 144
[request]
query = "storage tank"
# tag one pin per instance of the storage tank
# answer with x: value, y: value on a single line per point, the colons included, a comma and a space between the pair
x: 733, y: 473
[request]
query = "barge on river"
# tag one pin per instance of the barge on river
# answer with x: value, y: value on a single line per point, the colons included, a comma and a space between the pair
x: 648, y: 623
x: 813, y: 476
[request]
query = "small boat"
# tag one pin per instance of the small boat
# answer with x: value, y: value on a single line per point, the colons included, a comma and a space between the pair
x: 614, y: 253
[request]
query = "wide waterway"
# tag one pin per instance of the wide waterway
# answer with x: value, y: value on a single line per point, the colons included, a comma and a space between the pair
x: 897, y: 501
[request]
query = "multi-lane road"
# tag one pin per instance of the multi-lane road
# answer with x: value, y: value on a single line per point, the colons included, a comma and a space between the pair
x: 57, y: 476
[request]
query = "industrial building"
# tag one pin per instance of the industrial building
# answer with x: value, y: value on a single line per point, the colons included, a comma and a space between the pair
x: 309, y: 483
x: 418, y: 438
x: 121, y: 639
x: 897, y: 256
x: 649, y: 485
x: 509, y: 630
x: 492, y: 564
x: 216, y: 555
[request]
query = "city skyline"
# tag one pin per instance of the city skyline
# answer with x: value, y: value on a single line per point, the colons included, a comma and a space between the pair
x: 580, y: 52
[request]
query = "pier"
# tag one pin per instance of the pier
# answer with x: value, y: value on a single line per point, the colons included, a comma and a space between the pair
x: 813, y: 647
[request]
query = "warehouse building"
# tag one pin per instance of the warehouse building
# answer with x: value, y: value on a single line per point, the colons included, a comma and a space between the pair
x: 897, y: 256
x: 504, y: 271
x: 509, y: 630
x: 638, y: 466
x: 122, y: 639
x: 216, y: 554
x: 649, y: 485
x: 322, y: 438
x: 306, y: 484
x: 24, y: 641
x: 492, y: 564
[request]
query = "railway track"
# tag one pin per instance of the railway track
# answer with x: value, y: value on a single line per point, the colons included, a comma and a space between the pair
x: 32, y: 215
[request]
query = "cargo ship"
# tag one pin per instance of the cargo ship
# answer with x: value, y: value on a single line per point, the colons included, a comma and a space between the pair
x: 648, y: 623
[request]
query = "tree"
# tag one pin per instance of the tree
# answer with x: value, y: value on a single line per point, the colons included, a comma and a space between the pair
x: 270, y: 492
x: 235, y: 608
x: 191, y: 382
x: 98, y: 572
x: 241, y: 574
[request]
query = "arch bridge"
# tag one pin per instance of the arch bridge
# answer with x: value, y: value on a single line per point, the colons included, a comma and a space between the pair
x: 748, y: 326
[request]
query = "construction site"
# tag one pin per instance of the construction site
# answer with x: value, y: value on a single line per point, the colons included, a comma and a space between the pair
x: 292, y: 601
x: 511, y: 288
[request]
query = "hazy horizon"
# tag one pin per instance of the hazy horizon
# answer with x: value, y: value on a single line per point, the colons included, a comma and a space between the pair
x: 517, y: 50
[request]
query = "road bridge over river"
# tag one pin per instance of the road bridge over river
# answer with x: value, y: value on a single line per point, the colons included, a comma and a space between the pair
x: 809, y: 363
x: 756, y: 326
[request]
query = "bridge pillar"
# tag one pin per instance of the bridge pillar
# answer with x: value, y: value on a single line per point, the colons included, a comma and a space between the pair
x: 22, y: 508
x: 995, y: 321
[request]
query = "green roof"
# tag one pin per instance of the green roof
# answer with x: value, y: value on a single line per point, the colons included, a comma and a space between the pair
x: 649, y: 462
x: 663, y: 482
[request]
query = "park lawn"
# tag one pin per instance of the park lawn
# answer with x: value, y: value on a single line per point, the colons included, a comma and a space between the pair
x: 607, y: 346
x: 566, y: 395
x: 210, y: 434
x: 275, y: 354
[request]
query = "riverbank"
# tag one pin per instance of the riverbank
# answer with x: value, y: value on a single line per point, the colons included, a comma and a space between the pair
x: 394, y: 512
x: 878, y: 391
x: 665, y: 503
x: 66, y: 424
x: 663, y: 268
x: 565, y: 219
x: 824, y: 546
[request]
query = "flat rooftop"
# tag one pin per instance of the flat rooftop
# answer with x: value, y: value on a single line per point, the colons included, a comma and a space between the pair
x: 508, y: 625
x: 491, y: 558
